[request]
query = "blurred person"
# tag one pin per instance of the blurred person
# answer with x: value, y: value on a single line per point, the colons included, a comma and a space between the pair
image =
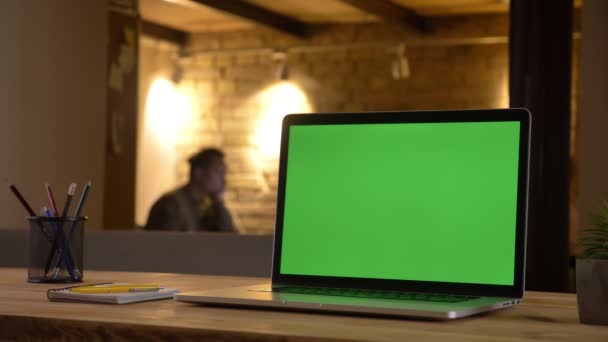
x: 199, y: 204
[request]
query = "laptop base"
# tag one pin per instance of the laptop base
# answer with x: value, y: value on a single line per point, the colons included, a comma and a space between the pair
x: 261, y: 296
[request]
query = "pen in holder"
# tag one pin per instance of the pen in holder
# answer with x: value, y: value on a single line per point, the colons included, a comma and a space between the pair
x: 58, y: 259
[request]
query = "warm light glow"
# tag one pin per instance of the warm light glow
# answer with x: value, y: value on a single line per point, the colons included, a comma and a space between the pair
x: 276, y: 102
x: 167, y: 114
x: 167, y: 111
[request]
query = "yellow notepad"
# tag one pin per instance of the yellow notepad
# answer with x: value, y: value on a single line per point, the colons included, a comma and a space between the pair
x: 112, y: 293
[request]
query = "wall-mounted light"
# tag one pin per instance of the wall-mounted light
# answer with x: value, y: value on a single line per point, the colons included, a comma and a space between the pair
x: 167, y: 112
x: 282, y: 65
x: 400, y: 68
x: 178, y: 72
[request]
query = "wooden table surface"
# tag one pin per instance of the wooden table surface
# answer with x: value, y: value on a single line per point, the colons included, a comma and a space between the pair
x: 25, y: 313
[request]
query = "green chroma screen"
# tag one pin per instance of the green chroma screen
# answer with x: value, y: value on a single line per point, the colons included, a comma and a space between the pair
x: 427, y: 201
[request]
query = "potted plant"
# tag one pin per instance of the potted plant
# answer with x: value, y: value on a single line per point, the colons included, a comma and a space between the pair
x: 592, y: 271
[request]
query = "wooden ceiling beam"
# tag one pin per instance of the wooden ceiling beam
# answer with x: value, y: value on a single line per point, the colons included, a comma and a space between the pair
x: 163, y: 32
x: 392, y: 13
x: 260, y: 16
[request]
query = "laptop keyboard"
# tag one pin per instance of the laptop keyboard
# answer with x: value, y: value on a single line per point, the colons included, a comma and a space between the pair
x: 424, y: 297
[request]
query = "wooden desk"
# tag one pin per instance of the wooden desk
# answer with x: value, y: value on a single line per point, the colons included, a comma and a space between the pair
x: 26, y: 313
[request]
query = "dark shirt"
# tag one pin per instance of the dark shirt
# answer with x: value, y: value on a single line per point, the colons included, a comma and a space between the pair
x: 180, y: 211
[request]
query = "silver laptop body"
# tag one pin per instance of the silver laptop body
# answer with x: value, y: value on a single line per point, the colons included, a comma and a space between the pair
x: 326, y: 263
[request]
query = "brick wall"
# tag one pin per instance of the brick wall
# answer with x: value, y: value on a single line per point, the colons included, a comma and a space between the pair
x: 228, y: 74
x: 349, y: 69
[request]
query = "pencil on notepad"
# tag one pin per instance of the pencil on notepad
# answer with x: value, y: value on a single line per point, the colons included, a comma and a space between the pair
x: 116, y: 288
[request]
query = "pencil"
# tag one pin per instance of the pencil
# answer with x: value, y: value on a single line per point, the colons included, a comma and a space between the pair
x: 61, y: 247
x: 29, y: 209
x: 22, y: 200
x: 68, y: 201
x: 49, y: 193
x: 83, y: 199
x: 117, y: 288
x: 77, y: 214
x: 59, y: 238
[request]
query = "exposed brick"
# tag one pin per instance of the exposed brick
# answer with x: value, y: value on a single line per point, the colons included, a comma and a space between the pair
x: 351, y: 79
x: 353, y: 107
x: 378, y: 82
x: 240, y: 127
x: 224, y: 60
x: 247, y: 59
x: 338, y: 55
x: 204, y: 88
x: 232, y: 139
x: 202, y: 74
x: 226, y: 87
x: 335, y: 81
x: 247, y: 181
x: 249, y: 195
x: 203, y: 61
x: 362, y: 54
x: 257, y: 225
x: 256, y: 210
x: 251, y: 73
x: 230, y: 195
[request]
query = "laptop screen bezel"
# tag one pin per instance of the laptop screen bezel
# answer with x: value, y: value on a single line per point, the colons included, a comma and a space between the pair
x: 490, y: 115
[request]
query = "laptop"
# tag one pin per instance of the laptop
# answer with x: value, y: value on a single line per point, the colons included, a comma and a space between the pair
x: 415, y: 214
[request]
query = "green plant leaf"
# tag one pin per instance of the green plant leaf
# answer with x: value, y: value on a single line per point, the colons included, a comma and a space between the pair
x: 594, y: 240
x: 595, y: 231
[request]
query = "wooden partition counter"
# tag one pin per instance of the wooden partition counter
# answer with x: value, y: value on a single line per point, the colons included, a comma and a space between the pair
x: 25, y: 313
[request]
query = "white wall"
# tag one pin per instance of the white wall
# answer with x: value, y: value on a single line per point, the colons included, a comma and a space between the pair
x: 593, y: 132
x: 52, y: 102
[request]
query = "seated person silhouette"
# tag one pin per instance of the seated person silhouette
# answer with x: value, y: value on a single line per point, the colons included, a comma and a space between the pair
x: 199, y: 204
